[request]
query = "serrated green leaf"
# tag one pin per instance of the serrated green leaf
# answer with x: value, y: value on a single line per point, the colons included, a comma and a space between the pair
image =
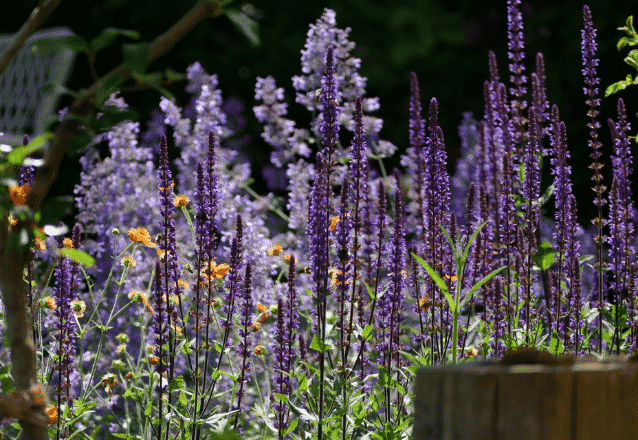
x: 176, y: 384
x: 136, y: 56
x: 78, y: 256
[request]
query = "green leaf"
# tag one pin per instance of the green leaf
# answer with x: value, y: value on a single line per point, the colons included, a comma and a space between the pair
x: 439, y: 282
x: 367, y: 331
x: 485, y: 279
x: 108, y: 37
x: 302, y: 383
x: 136, y: 56
x: 291, y: 426
x: 319, y: 345
x: 53, y: 45
x: 384, y: 377
x: 176, y: 384
x: 79, y: 140
x: 110, y: 85
x: 54, y: 209
x: 546, y: 195
x: 18, y: 154
x: 78, y: 256
x: 245, y: 25
x: 149, y: 407
x: 182, y: 399
x: 280, y: 397
x: 620, y: 85
x: 545, y: 255
x: 216, y: 375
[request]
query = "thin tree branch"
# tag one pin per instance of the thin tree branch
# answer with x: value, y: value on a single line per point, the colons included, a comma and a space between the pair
x: 33, y: 23
x: 13, y: 261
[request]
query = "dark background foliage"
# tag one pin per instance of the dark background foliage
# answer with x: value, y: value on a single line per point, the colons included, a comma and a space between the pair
x: 444, y: 42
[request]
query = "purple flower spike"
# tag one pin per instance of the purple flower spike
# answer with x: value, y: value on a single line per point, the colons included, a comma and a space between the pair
x: 516, y: 53
x: 330, y: 107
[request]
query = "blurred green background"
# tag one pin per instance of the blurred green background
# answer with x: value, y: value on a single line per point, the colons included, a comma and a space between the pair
x: 445, y: 42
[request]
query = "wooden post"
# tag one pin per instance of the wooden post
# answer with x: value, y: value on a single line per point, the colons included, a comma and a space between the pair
x: 488, y: 401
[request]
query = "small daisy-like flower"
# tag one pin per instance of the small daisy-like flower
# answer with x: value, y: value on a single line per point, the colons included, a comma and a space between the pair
x: 183, y: 284
x: 255, y: 327
x: 49, y: 302
x: 472, y: 352
x: 288, y: 256
x: 128, y: 375
x: 150, y: 349
x: 141, y: 235
x: 262, y: 308
x: 180, y: 201
x: 260, y: 350
x: 120, y: 349
x: 160, y: 253
x: 12, y: 221
x: 177, y: 329
x: 18, y: 194
x: 109, y: 380
x: 452, y: 277
x: 79, y: 307
x: 117, y: 364
x: 68, y: 243
x: 137, y: 296
x: 274, y: 250
x: 333, y: 224
x: 39, y: 243
x: 128, y: 261
x: 122, y: 338
x: 52, y: 414
x: 148, y: 307
x: 153, y: 360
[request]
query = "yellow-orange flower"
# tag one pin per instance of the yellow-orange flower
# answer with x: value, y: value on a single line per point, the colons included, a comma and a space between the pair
x: 128, y: 261
x: 12, y: 221
x: 425, y: 303
x: 274, y: 250
x: 287, y: 257
x: 333, y: 225
x: 52, y: 414
x: 49, y: 302
x: 170, y: 187
x: 68, y: 243
x: 180, y: 201
x: 120, y: 348
x: 79, y: 307
x: 141, y: 235
x: 472, y: 352
x: 39, y: 243
x: 18, y: 194
x: 214, y: 271
x: 137, y: 296
x: 255, y: 327
x: 260, y: 350
x: 128, y: 375
x: 183, y: 284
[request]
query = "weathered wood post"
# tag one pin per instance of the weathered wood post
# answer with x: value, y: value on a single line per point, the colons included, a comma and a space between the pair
x: 588, y: 400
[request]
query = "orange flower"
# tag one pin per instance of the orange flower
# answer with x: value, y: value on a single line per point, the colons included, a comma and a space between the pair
x: 425, y: 303
x: 68, y: 243
x: 40, y: 244
x: 128, y: 261
x: 18, y: 194
x: 260, y: 350
x: 52, y: 414
x: 141, y: 235
x: 472, y: 352
x: 180, y: 201
x: 183, y: 284
x: 333, y: 225
x: 120, y: 348
x: 79, y: 307
x: 214, y: 271
x: 12, y: 221
x: 287, y: 257
x: 170, y: 187
x: 274, y: 250
x: 255, y: 327
x: 128, y: 375
x: 262, y: 308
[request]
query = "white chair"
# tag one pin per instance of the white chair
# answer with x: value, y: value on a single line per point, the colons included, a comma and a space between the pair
x: 24, y: 109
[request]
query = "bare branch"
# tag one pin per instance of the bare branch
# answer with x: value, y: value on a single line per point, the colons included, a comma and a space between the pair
x: 33, y: 23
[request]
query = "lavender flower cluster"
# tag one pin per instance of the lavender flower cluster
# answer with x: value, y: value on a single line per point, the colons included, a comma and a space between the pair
x: 299, y: 327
